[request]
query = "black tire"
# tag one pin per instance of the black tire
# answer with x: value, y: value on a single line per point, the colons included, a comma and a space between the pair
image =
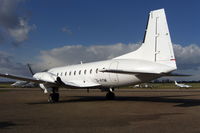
x: 110, y: 96
x: 54, y: 97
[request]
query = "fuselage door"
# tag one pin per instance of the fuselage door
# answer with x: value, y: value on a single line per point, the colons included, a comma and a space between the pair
x: 114, y: 76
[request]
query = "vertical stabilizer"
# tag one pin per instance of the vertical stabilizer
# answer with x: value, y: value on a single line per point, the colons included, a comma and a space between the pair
x: 157, y: 46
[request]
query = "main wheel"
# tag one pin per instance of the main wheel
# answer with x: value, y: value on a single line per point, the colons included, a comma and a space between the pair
x: 54, y: 97
x: 110, y: 96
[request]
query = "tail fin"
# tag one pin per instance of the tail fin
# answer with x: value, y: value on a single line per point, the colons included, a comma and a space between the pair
x: 157, y: 45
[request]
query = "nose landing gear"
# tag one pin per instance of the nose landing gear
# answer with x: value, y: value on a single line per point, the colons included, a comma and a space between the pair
x: 54, y: 96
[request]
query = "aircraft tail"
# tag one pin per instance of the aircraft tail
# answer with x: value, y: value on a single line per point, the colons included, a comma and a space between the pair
x: 157, y: 45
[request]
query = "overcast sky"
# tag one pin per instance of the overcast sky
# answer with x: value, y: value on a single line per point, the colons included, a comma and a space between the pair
x: 48, y: 33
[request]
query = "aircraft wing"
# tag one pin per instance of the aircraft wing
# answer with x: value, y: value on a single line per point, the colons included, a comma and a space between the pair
x: 73, y: 84
x: 29, y: 79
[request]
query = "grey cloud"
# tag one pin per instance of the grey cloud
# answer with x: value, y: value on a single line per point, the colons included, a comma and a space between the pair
x: 73, y: 54
x: 12, y: 24
x: 1, y: 38
x: 9, y: 65
x: 187, y: 57
x: 20, y: 33
x: 8, y: 17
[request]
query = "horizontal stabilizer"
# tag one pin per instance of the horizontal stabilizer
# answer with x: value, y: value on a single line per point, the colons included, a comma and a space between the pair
x: 126, y: 72
x: 176, y: 75
x: 138, y: 72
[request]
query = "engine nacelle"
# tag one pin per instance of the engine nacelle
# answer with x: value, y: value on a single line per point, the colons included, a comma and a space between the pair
x: 46, y: 76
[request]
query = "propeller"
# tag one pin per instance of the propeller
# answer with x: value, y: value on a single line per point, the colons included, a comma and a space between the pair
x: 30, y: 69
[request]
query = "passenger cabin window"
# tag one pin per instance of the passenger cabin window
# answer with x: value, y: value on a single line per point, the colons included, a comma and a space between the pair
x: 79, y: 72
x: 90, y: 71
x: 70, y: 73
x: 74, y: 72
x: 61, y: 74
x: 85, y: 71
x: 57, y: 74
x: 97, y: 70
x: 65, y: 73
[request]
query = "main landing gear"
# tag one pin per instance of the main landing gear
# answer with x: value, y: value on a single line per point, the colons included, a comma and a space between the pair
x: 110, y: 94
x: 54, y: 96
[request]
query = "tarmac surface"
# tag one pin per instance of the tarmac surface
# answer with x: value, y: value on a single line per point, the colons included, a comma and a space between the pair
x: 26, y: 110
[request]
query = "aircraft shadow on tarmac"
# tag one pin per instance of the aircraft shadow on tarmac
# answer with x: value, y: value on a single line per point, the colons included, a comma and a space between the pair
x: 162, y: 99
x: 6, y: 124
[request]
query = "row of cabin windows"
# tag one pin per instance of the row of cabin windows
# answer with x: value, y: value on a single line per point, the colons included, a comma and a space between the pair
x: 76, y: 72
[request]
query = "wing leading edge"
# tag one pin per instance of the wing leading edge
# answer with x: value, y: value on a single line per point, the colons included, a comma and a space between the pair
x: 29, y: 79
x: 73, y: 84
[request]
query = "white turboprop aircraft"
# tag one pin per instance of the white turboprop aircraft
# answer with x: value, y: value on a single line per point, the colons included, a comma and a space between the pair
x: 23, y: 84
x: 19, y: 83
x: 182, y: 85
x: 154, y: 59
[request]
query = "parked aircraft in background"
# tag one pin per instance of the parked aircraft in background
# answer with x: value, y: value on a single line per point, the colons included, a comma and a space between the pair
x: 19, y: 83
x: 154, y: 59
x: 182, y: 85
x: 24, y: 84
x: 145, y: 85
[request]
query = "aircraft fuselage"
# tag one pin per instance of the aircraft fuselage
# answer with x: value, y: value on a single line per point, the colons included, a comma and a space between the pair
x: 91, y: 72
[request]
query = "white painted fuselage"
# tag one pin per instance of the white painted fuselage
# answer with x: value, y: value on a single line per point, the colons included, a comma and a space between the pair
x: 91, y: 72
